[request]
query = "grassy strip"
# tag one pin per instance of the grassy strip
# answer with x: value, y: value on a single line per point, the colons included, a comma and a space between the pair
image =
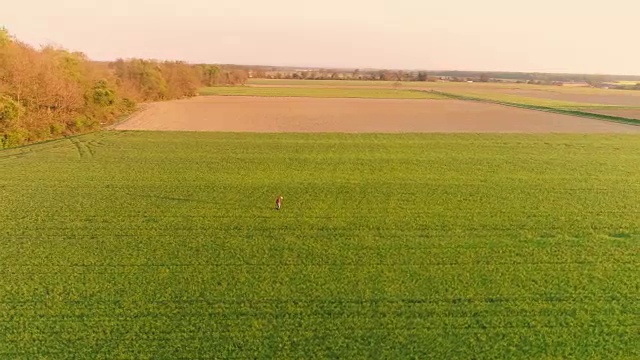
x: 319, y: 92
x: 558, y: 110
x: 285, y: 82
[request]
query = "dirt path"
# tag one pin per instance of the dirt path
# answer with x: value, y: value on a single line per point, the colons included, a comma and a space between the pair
x: 263, y: 114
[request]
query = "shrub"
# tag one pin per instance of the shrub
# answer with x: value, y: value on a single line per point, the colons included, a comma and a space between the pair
x: 101, y: 94
x: 57, y: 129
x: 128, y: 104
x: 9, y: 109
x: 14, y: 137
x: 82, y: 123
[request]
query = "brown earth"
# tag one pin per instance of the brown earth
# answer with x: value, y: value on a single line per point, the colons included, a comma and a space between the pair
x: 625, y: 113
x: 268, y: 114
x: 615, y: 97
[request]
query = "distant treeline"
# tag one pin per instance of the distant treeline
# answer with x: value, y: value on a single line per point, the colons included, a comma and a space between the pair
x: 51, y: 92
x: 406, y: 75
x: 544, y: 77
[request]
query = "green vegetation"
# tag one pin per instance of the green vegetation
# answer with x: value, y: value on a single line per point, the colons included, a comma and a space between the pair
x: 462, y: 87
x: 627, y: 82
x: 624, y: 85
x: 275, y: 73
x: 319, y: 92
x: 340, y: 83
x: 165, y: 245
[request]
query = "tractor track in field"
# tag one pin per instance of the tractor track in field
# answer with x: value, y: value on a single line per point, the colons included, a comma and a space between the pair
x: 84, y: 149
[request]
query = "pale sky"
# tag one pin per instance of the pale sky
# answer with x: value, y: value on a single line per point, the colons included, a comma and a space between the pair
x: 577, y: 36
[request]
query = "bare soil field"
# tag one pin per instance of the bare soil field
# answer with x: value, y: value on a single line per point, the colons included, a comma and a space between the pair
x: 626, y: 113
x: 262, y: 114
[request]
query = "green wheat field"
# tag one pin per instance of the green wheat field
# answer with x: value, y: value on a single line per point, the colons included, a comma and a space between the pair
x: 149, y: 245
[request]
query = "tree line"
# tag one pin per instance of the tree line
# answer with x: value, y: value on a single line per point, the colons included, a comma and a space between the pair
x: 52, y: 92
x: 323, y: 74
x: 408, y: 75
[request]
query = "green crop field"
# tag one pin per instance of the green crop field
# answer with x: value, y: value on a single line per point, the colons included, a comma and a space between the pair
x: 336, y: 83
x: 627, y: 82
x: 318, y: 92
x: 489, y: 88
x: 166, y: 245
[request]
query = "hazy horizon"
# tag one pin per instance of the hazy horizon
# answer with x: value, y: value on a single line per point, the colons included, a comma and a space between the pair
x: 494, y: 35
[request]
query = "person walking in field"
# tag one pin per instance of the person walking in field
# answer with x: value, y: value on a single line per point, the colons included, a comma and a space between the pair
x: 278, y: 202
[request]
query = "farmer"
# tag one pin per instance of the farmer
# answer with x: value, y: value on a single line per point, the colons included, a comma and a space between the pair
x: 278, y: 202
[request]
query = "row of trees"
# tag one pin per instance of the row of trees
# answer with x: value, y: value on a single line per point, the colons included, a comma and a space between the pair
x: 373, y: 75
x: 384, y: 75
x: 51, y: 92
x: 400, y: 75
x: 216, y: 75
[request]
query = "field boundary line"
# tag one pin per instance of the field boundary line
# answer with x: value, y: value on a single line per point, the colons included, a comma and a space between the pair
x: 58, y: 139
x: 576, y: 113
x: 73, y: 136
x: 140, y: 109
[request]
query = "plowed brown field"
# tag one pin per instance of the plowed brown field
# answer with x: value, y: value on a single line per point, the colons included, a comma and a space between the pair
x: 262, y: 114
x: 626, y: 113
x: 612, y: 97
